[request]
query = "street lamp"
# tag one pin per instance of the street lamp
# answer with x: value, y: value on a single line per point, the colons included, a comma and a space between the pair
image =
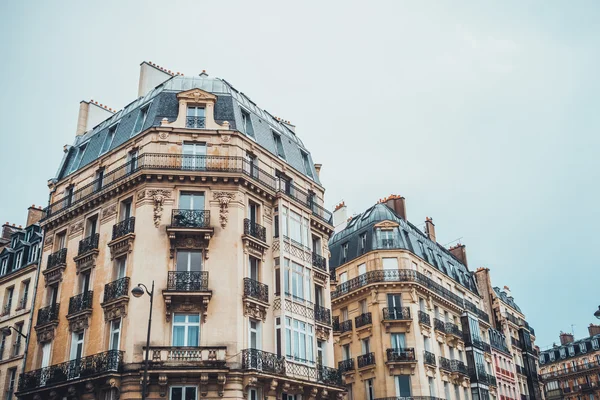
x: 597, y: 313
x: 6, y: 331
x: 139, y: 292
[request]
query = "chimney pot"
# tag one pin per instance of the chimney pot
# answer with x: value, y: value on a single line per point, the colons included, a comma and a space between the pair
x: 397, y: 204
x: 566, y: 338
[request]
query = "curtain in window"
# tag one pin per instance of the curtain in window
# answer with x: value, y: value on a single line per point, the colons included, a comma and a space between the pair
x: 179, y: 336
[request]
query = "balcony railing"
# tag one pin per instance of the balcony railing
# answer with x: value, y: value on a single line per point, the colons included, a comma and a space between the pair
x: 365, y: 360
x: 263, y: 361
x: 406, y: 275
x: 406, y: 354
x: 185, y: 162
x: 346, y: 326
x: 89, y: 243
x: 396, y: 313
x: 363, y: 319
x: 387, y: 244
x: 453, y: 329
x: 256, y: 290
x: 445, y: 364
x: 428, y: 358
x: 499, y: 345
x: 322, y: 315
x: 439, y: 325
x: 80, y: 368
x: 187, y: 281
x: 319, y: 261
x: 195, y: 122
x: 424, y: 318
x: 123, y: 228
x: 458, y: 366
x: 515, y: 342
x: 346, y: 365
x: 213, y: 356
x: 190, y: 218
x: 568, y: 371
x: 56, y: 259
x: 255, y: 230
x: 116, y: 289
x: 81, y: 302
x: 480, y: 344
x: 48, y: 314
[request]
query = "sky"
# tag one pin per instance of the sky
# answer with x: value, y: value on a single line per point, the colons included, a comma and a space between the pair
x: 483, y: 115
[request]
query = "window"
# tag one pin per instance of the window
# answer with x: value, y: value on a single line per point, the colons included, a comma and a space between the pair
x: 140, y: 120
x: 10, y: 387
x: 189, y: 260
x: 191, y: 200
x: 595, y: 344
x: 194, y: 156
x: 403, y: 386
x: 183, y: 393
x: 431, y: 382
x: 108, y: 139
x: 115, y: 334
x: 68, y: 196
x: 583, y: 347
x: 120, y: 267
x: 4, y: 268
x: 8, y: 298
x: 78, y: 157
x: 279, y: 146
x: 363, y: 243
x: 76, y: 345
x: 346, y: 355
x: 18, y: 260
x: 422, y: 248
x: 343, y: 277
x: 247, y: 124
x: 255, y: 334
x: 369, y: 391
x: 344, y: 253
x: 300, y: 337
x: 252, y: 162
x: 254, y: 394
x: 387, y: 239
x: 99, y: 179
x: 186, y: 330
x: 132, y: 160
x: 321, y: 353
x: 125, y: 212
x: 447, y: 390
x: 17, y: 339
x: 24, y: 295
x: 34, y: 252
x: 46, y: 346
x: 307, y: 166
x: 563, y: 352
x: 196, y: 117
x: 301, y: 281
x: 366, y: 346
x: 571, y: 353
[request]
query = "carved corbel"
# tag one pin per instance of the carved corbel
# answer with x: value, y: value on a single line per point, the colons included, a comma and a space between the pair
x: 203, y: 385
x: 162, y: 385
x: 224, y: 199
x: 221, y: 379
x: 273, y: 387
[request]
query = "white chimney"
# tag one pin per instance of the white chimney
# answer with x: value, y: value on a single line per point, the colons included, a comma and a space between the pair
x: 151, y: 75
x: 507, y: 291
x: 340, y: 214
x: 91, y: 113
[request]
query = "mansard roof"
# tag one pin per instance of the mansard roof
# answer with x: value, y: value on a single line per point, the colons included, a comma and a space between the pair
x: 579, y: 348
x: 506, y: 299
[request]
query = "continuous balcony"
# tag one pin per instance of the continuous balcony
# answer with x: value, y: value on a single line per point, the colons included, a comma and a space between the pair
x: 365, y: 360
x: 254, y: 239
x: 397, y: 317
x: 591, y: 367
x: 84, y: 368
x: 406, y: 275
x: 187, y: 291
x: 80, y: 309
x: 256, y: 299
x: 176, y: 358
x: 401, y: 360
x: 116, y: 299
x: 57, y: 262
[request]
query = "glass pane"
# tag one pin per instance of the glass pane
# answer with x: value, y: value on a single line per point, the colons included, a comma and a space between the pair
x: 176, y: 394
x: 182, y: 260
x: 178, y: 336
x: 193, y: 336
x: 195, y: 261
x: 185, y: 201
x: 195, y: 318
x: 190, y: 393
x: 179, y: 318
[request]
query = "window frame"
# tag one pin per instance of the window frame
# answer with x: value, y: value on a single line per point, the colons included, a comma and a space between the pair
x: 143, y: 110
x: 111, y: 129
x: 184, y: 391
x: 186, y: 326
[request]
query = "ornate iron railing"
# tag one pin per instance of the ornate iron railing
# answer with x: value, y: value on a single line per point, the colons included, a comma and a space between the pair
x: 396, y: 313
x: 329, y: 376
x: 255, y: 230
x: 256, y: 290
x: 346, y: 326
x: 424, y: 318
x: 116, y: 289
x: 56, y: 259
x: 571, y: 369
x: 365, y: 360
x: 335, y: 323
x: 346, y: 365
x: 363, y: 319
x: 458, y: 366
x: 48, y: 314
x: 263, y: 361
x: 445, y: 364
x: 183, y: 162
x: 190, y: 218
x: 405, y: 354
x: 188, y: 281
x: 319, y: 261
x: 123, y: 228
x: 515, y: 342
x: 81, y: 302
x: 80, y: 368
x: 89, y: 243
x: 439, y: 325
x: 387, y: 244
x: 406, y: 275
x: 428, y: 357
x: 322, y: 315
x: 195, y: 122
x: 453, y: 329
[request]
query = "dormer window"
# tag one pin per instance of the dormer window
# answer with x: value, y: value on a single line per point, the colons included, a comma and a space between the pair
x: 110, y: 136
x: 196, y: 117
x: 140, y: 120
x: 78, y: 157
x: 571, y: 351
x: 307, y: 166
x: 583, y: 347
x: 344, y: 253
x: 551, y: 354
x: 19, y: 260
x: 4, y: 266
x: 247, y: 124
x: 278, y: 145
x: 563, y: 352
x: 595, y: 344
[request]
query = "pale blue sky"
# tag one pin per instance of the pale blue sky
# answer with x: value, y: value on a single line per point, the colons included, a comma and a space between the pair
x: 484, y: 116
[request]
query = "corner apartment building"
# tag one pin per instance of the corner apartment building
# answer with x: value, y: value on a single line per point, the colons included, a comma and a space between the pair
x: 408, y: 318
x: 571, y: 370
x: 19, y: 255
x: 513, y: 342
x: 196, y: 190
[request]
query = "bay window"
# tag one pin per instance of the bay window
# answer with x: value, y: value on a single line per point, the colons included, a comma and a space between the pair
x: 300, y: 340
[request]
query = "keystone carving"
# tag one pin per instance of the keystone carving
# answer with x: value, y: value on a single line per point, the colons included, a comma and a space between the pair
x: 224, y: 198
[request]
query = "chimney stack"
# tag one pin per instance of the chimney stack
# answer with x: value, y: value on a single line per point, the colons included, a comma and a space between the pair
x: 340, y: 214
x: 318, y: 169
x: 91, y: 114
x: 151, y: 75
x: 594, y: 329
x: 507, y: 291
x: 430, y: 229
x: 7, y: 230
x: 566, y: 338
x: 396, y: 203
x: 34, y: 214
x: 459, y: 251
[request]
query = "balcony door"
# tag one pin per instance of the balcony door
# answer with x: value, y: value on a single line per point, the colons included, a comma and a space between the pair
x: 189, y: 261
x: 398, y: 341
x: 394, y: 305
x: 76, y: 354
x: 194, y: 156
x: 191, y: 201
x: 46, y: 354
x: 403, y: 386
x: 252, y: 212
x: 254, y: 334
x: 253, y: 268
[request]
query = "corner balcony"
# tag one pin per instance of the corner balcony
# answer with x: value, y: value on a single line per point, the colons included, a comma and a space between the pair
x: 424, y: 320
x: 454, y: 336
x: 57, y: 262
x: 122, y: 238
x: 80, y: 309
x: 401, y: 360
x: 87, y: 254
x: 116, y: 299
x: 256, y: 299
x: 57, y: 377
x: 323, y: 322
x: 254, y: 239
x: 319, y: 262
x: 187, y: 291
x: 47, y: 321
x: 182, y: 359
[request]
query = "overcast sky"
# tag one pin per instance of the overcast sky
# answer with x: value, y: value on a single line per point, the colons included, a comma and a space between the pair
x: 484, y: 117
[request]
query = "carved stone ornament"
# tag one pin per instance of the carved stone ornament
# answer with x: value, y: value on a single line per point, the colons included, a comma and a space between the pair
x: 115, y: 310
x: 163, y: 135
x: 225, y: 138
x: 89, y: 387
x: 76, y: 227
x: 162, y: 385
x: 158, y: 196
x: 45, y: 333
x: 49, y: 241
x: 203, y: 385
x: 189, y: 242
x: 322, y: 332
x: 221, y: 379
x: 79, y: 322
x: 255, y: 311
x: 109, y: 211
x: 224, y: 198
x: 387, y: 225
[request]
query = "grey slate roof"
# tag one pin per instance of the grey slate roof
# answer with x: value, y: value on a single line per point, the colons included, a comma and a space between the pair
x: 407, y: 237
x: 581, y: 346
x: 508, y: 300
x: 162, y: 103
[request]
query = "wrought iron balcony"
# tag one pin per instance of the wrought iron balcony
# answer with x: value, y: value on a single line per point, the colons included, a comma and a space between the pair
x: 396, y: 313
x: 439, y: 325
x: 319, y: 261
x: 397, y: 355
x: 453, y: 329
x: 123, y: 228
x: 263, y: 361
x: 116, y: 289
x: 56, y: 259
x: 88, y: 244
x: 80, y: 368
x: 255, y: 230
x: 480, y: 344
x: 329, y: 376
x: 363, y: 319
x: 571, y: 369
x: 458, y: 367
x: 81, y: 302
x: 481, y: 376
x: 515, y: 342
x: 256, y: 290
x: 346, y: 326
x: 322, y: 315
x: 187, y: 281
x: 445, y: 364
x: 346, y: 365
x: 365, y: 360
x: 335, y: 324
x: 190, y: 218
x: 48, y: 314
x: 429, y: 358
x: 424, y: 318
x: 195, y: 122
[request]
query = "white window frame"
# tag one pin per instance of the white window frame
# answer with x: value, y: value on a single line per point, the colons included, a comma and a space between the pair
x: 113, y: 331
x: 186, y: 326
x: 183, y: 392
x: 112, y: 138
x: 256, y: 331
x: 33, y: 252
x: 144, y: 114
x: 18, y: 259
x: 76, y: 165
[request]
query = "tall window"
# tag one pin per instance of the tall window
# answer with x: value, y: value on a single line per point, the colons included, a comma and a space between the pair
x: 189, y: 260
x: 132, y: 160
x: 34, y: 252
x: 110, y: 135
x: 344, y: 254
x: 8, y: 298
x: 191, y: 200
x: 301, y: 282
x: 369, y: 391
x: 194, y: 156
x: 24, y: 295
x: 140, y: 120
x: 183, y: 393
x: 115, y: 334
x: 186, y: 330
x: 77, y: 345
x: 4, y: 268
x: 278, y: 145
x: 46, y: 346
x: 18, y: 260
x: 68, y: 197
x: 10, y: 386
x: 121, y: 267
x: 363, y: 243
x: 196, y: 118
x: 247, y: 124
x: 299, y: 340
x: 403, y: 386
x: 432, y: 391
x: 398, y: 340
x: 254, y: 394
x: 255, y: 334
x: 447, y: 391
x: 306, y: 162
x: 78, y: 157
x: 253, y: 268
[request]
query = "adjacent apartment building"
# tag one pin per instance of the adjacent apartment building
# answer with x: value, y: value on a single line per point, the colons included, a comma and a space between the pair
x: 19, y: 255
x: 571, y: 370
x: 216, y: 207
x: 513, y: 342
x: 409, y: 320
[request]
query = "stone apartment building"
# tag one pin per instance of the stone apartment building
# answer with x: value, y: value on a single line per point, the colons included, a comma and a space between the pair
x: 20, y: 249
x: 571, y: 370
x: 513, y: 342
x: 196, y: 192
x: 409, y: 320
